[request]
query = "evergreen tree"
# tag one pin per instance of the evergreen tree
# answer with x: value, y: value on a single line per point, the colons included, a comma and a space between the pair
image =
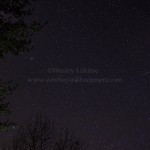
x: 15, y: 32
x: 6, y: 89
x: 15, y: 37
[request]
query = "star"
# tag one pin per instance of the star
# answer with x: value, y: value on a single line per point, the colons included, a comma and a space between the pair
x: 31, y: 58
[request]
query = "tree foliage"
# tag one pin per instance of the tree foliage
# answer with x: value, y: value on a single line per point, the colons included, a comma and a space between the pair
x: 6, y: 89
x: 15, y: 37
x: 15, y: 32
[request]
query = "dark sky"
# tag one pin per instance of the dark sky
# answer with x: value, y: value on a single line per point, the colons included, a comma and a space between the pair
x: 111, y: 37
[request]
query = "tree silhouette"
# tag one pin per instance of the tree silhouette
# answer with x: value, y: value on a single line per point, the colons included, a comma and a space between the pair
x: 6, y: 89
x: 15, y: 32
x: 66, y: 141
x: 15, y: 38
x: 40, y: 133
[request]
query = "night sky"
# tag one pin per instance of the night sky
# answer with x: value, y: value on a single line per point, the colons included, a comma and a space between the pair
x: 110, y: 38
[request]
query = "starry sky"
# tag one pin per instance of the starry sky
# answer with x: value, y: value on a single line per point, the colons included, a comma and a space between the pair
x: 108, y: 38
